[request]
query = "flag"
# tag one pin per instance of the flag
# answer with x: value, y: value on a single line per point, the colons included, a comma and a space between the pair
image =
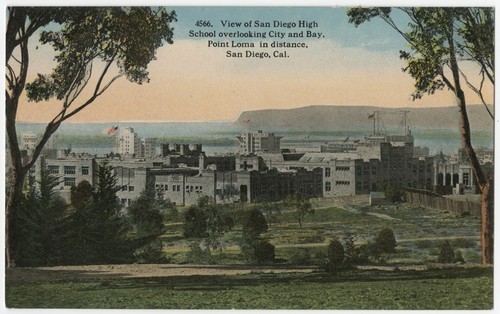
x: 372, y: 116
x: 246, y: 120
x: 112, y: 130
x: 346, y: 139
x: 355, y: 141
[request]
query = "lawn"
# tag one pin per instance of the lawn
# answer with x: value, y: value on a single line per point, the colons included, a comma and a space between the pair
x: 419, y: 234
x: 456, y: 288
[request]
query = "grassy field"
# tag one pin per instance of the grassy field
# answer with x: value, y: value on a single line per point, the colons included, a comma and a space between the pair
x: 456, y: 288
x: 419, y: 233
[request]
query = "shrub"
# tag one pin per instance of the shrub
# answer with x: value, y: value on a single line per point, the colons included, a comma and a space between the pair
x: 264, y: 251
x: 354, y: 255
x: 386, y: 241
x: 197, y: 255
x: 258, y: 251
x: 448, y: 255
x: 151, y: 253
x: 335, y: 256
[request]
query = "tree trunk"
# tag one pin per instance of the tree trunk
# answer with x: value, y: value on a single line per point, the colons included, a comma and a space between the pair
x: 11, y: 214
x: 487, y: 225
x: 485, y: 184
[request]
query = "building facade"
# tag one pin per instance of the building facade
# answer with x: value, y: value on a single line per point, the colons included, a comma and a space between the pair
x: 254, y: 142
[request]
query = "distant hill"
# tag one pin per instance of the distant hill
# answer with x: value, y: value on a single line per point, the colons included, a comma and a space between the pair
x: 356, y: 117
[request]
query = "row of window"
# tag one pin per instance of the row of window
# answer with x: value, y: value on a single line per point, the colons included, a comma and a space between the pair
x: 54, y: 169
x: 177, y: 188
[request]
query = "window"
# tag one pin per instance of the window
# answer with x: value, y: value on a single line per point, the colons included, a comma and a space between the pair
x: 52, y: 169
x: 69, y: 181
x: 342, y: 168
x: 131, y: 188
x: 342, y: 182
x: 328, y: 186
x: 85, y: 170
x: 465, y: 179
x: 328, y: 172
x: 69, y: 170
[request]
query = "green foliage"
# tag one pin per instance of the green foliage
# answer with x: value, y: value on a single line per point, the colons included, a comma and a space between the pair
x: 98, y: 233
x: 253, y: 248
x: 40, y: 217
x: 300, y: 206
x: 254, y: 223
x: 146, y: 215
x: 439, y: 289
x: 128, y: 37
x: 448, y: 255
x: 195, y: 222
x: 335, y: 256
x: 435, y: 37
x: 386, y: 241
x: 81, y: 195
x: 393, y: 194
x: 270, y: 209
x: 197, y: 255
x: 354, y: 254
x: 208, y: 221
x: 151, y: 253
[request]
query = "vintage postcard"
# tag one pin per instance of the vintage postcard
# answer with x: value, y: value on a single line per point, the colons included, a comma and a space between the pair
x: 249, y: 157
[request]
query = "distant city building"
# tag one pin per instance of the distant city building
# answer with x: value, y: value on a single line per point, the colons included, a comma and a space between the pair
x: 148, y: 147
x: 28, y: 141
x: 254, y: 142
x: 127, y: 142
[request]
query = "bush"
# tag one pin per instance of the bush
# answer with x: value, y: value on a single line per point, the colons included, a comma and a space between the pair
x: 386, y: 241
x: 335, y: 256
x: 151, y: 253
x: 264, y: 251
x: 258, y: 251
x: 448, y: 255
x: 197, y: 255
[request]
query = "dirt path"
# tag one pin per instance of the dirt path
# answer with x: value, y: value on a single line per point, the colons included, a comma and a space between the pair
x: 102, y: 272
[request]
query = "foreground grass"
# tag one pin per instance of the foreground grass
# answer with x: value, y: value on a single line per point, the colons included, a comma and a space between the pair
x: 470, y: 288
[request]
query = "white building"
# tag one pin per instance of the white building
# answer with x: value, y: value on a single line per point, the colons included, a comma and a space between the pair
x: 29, y: 141
x: 127, y: 142
x: 254, y: 142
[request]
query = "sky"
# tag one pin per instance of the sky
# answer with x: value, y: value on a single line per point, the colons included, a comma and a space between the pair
x: 191, y: 81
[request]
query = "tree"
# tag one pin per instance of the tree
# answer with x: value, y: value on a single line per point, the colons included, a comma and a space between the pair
x: 126, y: 38
x: 146, y: 216
x: 97, y: 233
x: 37, y: 230
x: 81, y: 195
x: 253, y: 247
x: 386, y: 241
x: 335, y: 256
x: 439, y: 38
x: 300, y: 207
x: 208, y: 221
x: 254, y: 223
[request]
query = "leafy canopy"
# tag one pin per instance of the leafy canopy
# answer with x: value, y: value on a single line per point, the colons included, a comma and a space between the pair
x: 126, y: 37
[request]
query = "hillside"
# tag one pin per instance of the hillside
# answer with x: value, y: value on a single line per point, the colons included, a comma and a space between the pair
x: 356, y: 117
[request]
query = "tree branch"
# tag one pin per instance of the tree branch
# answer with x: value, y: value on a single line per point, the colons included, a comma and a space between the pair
x: 479, y: 91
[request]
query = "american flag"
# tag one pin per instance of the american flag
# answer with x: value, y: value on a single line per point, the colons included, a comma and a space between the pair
x: 112, y: 130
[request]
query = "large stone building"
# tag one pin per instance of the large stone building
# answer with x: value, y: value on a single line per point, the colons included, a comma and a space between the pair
x: 255, y: 142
